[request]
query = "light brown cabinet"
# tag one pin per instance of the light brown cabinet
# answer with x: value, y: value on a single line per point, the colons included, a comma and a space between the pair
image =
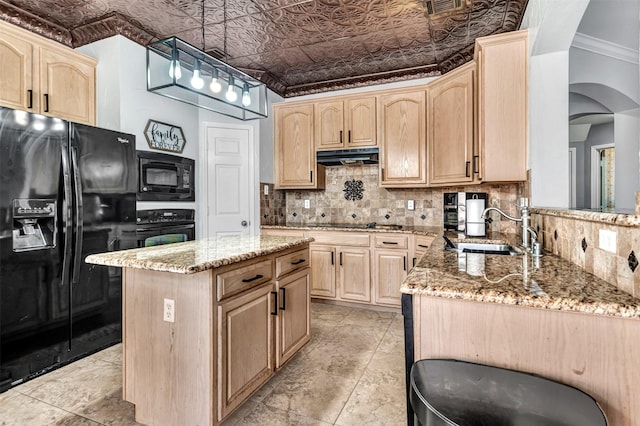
x: 295, y: 157
x: 293, y: 316
x: 390, y: 267
x: 401, y: 131
x: 354, y: 274
x: 345, y: 123
x: 246, y: 343
x: 41, y: 76
x: 323, y: 271
x: 502, y: 106
x: 450, y: 130
x: 420, y: 245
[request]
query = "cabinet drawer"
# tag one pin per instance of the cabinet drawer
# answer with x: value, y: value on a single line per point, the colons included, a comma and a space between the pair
x: 291, y: 262
x: 243, y: 278
x: 352, y: 239
x: 422, y: 243
x: 391, y: 241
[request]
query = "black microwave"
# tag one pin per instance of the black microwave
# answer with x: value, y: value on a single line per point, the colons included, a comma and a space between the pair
x: 165, y: 177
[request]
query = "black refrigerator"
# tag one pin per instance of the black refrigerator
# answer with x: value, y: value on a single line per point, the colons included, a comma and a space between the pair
x: 66, y: 191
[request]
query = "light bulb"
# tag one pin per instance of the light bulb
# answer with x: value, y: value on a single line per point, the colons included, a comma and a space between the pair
x: 246, y: 97
x: 175, y: 69
x: 231, y: 94
x: 215, y: 85
x: 196, y: 81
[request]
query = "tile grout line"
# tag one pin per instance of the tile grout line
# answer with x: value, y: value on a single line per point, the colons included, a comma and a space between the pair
x: 60, y: 408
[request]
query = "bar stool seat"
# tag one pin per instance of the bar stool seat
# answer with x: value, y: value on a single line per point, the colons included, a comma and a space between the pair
x: 458, y: 393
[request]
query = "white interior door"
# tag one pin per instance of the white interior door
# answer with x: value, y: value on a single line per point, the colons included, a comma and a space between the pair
x: 229, y: 151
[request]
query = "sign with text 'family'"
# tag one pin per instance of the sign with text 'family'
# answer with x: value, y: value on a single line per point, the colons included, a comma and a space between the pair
x: 165, y: 137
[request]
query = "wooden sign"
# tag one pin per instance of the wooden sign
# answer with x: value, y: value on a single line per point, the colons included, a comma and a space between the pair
x: 164, y: 137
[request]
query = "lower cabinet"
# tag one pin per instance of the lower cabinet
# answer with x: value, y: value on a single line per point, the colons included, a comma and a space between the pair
x: 293, y: 315
x: 390, y: 271
x: 354, y: 274
x: 323, y: 271
x: 245, y: 346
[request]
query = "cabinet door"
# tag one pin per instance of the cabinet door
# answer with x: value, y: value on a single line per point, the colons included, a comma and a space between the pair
x: 294, y: 315
x: 401, y: 121
x: 16, y: 72
x: 67, y: 86
x: 450, y: 127
x: 245, y: 346
x: 295, y: 151
x: 391, y: 270
x: 354, y: 274
x: 360, y: 122
x: 323, y: 271
x: 503, y: 106
x: 329, y: 125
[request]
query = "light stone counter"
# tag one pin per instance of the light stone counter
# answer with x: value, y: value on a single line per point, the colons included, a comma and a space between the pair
x: 197, y: 256
x: 548, y: 282
x: 430, y: 231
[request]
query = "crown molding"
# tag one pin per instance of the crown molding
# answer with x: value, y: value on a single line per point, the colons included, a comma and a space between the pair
x: 605, y: 48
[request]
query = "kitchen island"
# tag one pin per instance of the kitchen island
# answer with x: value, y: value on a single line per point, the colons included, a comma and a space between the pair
x: 541, y: 315
x: 206, y: 323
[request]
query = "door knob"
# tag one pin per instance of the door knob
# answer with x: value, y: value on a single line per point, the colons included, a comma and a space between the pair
x: 244, y: 223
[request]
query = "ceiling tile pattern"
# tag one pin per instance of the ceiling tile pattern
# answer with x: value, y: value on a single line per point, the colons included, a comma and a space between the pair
x: 295, y: 46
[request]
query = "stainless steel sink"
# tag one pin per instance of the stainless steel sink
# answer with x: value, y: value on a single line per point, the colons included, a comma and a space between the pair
x: 486, y: 248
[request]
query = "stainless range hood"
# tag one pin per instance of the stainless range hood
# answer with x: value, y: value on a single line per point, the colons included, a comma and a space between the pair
x: 348, y: 157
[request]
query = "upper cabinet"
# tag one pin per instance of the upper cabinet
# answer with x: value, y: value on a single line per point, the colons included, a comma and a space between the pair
x: 346, y: 123
x: 41, y: 76
x: 401, y: 130
x: 295, y: 165
x: 450, y: 127
x: 502, y: 107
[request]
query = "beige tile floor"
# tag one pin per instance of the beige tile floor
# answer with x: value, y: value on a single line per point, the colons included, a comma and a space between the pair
x: 350, y: 373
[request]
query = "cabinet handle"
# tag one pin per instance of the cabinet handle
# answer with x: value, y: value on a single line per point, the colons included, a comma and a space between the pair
x: 340, y: 258
x: 284, y: 299
x: 414, y: 261
x: 423, y: 246
x: 275, y: 303
x: 310, y: 175
x: 332, y: 259
x: 390, y: 242
x: 340, y: 136
x: 30, y: 93
x: 476, y: 164
x: 297, y: 262
x: 382, y: 173
x: 248, y: 280
x: 46, y: 102
x: 349, y: 136
x: 404, y: 262
x: 466, y: 168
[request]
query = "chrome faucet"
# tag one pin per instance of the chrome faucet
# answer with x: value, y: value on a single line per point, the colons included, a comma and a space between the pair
x: 525, y: 215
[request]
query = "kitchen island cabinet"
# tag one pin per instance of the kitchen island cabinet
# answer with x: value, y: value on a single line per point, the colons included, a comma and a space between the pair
x: 206, y: 323
x: 544, y: 316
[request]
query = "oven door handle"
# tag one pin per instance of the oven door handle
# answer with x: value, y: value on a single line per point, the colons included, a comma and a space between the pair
x: 165, y: 229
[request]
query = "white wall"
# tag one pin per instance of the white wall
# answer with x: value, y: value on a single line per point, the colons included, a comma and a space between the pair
x: 124, y: 104
x: 627, y: 180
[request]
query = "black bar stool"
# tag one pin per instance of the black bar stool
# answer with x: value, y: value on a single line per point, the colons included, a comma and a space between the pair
x: 458, y: 393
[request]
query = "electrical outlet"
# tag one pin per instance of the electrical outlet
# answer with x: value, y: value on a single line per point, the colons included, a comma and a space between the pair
x: 169, y: 310
x: 410, y: 205
x: 307, y: 204
x: 607, y: 240
x: 266, y: 190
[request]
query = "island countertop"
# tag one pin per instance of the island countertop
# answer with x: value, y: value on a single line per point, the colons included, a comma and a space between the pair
x: 547, y: 282
x: 197, y: 256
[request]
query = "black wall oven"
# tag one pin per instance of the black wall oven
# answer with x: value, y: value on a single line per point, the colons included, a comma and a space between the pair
x: 165, y: 177
x: 164, y: 226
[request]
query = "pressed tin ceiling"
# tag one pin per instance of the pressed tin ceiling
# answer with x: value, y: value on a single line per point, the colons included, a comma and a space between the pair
x: 295, y: 46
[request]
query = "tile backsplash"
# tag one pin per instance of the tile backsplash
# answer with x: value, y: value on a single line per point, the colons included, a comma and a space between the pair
x: 577, y: 240
x: 352, y: 195
x: 273, y: 206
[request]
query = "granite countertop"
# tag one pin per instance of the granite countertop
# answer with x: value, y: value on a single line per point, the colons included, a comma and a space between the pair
x: 197, y: 256
x: 547, y: 282
x: 619, y: 217
x: 431, y: 231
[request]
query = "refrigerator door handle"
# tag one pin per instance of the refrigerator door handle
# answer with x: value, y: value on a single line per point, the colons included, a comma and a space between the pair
x: 66, y: 215
x: 78, y: 216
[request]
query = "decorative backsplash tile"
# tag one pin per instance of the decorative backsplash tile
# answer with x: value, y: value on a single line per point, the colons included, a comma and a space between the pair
x: 577, y: 240
x: 339, y: 202
x: 273, y: 206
